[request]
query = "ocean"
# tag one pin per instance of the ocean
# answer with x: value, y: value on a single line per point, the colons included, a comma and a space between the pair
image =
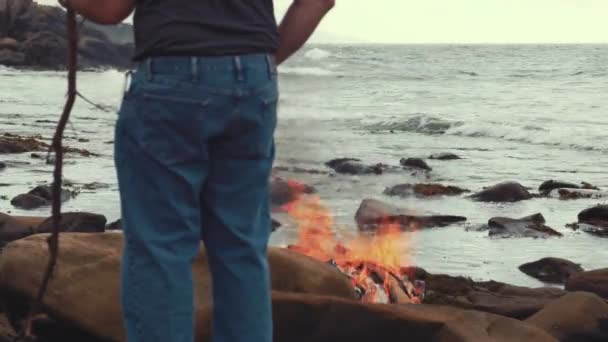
x: 525, y: 113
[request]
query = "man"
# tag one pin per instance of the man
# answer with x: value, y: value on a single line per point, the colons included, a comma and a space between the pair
x: 194, y: 151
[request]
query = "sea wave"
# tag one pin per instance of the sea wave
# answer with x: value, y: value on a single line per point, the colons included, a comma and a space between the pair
x: 305, y: 71
x: 527, y: 134
x: 317, y: 54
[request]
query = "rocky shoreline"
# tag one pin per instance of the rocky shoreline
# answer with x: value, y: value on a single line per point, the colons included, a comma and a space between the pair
x: 34, y: 36
x: 83, y: 300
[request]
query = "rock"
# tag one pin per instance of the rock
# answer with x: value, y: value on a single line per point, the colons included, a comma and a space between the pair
x: 595, y: 214
x: 503, y: 192
x: 529, y: 226
x: 76, y: 223
x: 415, y: 163
x: 445, y: 156
x: 116, y: 225
x: 426, y: 190
x: 8, y: 44
x: 551, y: 270
x: 46, y: 192
x: 17, y: 227
x: 599, y: 229
x: 299, y: 318
x: 95, y: 186
x: 590, y: 281
x: 550, y: 185
x: 10, y: 11
x: 275, y: 225
x: 2, y: 165
x: 373, y: 213
x: 29, y: 201
x: 351, y: 166
x: 39, y: 31
x: 85, y: 289
x: 585, y: 185
x: 494, y: 297
x: 14, y: 144
x: 572, y: 194
x: 577, y: 316
x: 284, y: 191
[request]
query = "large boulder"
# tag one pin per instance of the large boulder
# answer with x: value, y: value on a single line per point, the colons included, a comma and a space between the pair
x: 84, y: 291
x: 305, y: 318
x: 591, y: 281
x: 529, y: 226
x: 17, y: 227
x: 40, y: 32
x: 10, y: 11
x: 38, y: 197
x: 577, y: 316
x: 373, y: 214
x: 503, y: 192
x: 551, y: 270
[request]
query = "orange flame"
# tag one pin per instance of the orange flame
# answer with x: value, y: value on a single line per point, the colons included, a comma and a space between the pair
x: 388, y: 248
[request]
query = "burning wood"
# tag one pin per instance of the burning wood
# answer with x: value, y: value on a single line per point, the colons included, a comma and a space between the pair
x: 373, y: 262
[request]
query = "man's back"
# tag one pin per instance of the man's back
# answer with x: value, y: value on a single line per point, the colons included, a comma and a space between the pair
x: 204, y: 27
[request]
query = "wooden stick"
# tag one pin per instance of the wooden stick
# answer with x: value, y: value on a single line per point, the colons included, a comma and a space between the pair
x: 57, y: 147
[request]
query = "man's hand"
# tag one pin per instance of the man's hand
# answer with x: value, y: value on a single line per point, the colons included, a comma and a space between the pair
x: 106, y: 12
x: 299, y: 23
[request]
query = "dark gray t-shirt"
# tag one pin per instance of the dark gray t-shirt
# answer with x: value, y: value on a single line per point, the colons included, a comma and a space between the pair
x: 204, y: 27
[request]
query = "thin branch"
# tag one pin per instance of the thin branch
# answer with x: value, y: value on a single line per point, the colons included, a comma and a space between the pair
x: 57, y: 147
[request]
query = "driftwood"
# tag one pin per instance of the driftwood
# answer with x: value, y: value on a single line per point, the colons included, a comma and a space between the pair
x: 57, y: 148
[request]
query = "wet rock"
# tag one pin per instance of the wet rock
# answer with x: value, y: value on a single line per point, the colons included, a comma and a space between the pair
x: 599, y: 229
x: 529, y: 226
x: 425, y: 190
x: 550, y: 185
x: 2, y: 165
x: 591, y: 281
x: 14, y: 144
x: 283, y: 191
x: 415, y: 163
x: 95, y: 186
x: 445, y: 156
x: 595, y: 214
x: 352, y: 166
x: 75, y: 223
x: 551, y: 270
x: 573, y: 194
x: 490, y: 296
x: 503, y: 192
x: 29, y: 201
x: 46, y: 192
x: 372, y: 214
x: 85, y: 290
x: 577, y: 316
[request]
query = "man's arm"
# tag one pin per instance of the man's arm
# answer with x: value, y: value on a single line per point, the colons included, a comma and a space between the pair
x: 299, y: 23
x: 102, y: 11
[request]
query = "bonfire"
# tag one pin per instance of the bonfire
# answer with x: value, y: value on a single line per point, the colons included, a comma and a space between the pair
x: 374, y: 263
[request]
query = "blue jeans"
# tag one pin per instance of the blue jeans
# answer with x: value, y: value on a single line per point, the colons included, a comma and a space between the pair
x: 194, y: 151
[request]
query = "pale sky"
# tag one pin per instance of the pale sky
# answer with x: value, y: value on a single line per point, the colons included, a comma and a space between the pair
x: 466, y: 21
x: 462, y: 21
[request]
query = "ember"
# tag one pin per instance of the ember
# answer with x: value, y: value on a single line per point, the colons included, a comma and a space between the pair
x: 372, y: 262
